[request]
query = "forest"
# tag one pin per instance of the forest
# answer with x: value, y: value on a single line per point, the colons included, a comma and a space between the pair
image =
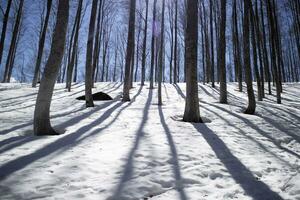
x: 150, y: 99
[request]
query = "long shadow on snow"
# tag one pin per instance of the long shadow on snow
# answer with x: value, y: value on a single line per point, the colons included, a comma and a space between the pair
x: 6, y: 131
x: 262, y: 146
x: 239, y: 172
x: 176, y: 166
x: 61, y: 143
x: 128, y: 167
x: 9, y: 130
x: 255, y: 127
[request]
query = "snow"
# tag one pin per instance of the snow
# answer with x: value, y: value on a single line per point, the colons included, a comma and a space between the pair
x: 137, y: 150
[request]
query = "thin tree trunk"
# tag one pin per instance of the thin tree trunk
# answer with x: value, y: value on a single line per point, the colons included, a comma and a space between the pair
x: 71, y: 63
x: 247, y: 63
x: 129, y: 51
x: 254, y: 45
x: 212, y: 70
x: 144, y: 47
x: 222, y: 54
x: 175, y: 43
x: 13, y: 42
x: 265, y: 51
x: 4, y: 27
x: 161, y: 53
x: 89, y: 57
x: 41, y: 45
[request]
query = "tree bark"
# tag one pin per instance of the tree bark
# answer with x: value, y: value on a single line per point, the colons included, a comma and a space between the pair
x: 222, y: 54
x: 4, y: 27
x: 153, y: 46
x: 144, y: 47
x: 41, y: 45
x: 41, y: 123
x: 161, y: 53
x: 71, y: 64
x: 13, y: 42
x: 191, y: 112
x: 247, y: 63
x: 89, y: 57
x: 129, y: 51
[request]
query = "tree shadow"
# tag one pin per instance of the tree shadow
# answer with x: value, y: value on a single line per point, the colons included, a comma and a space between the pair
x: 14, y: 142
x: 262, y: 146
x: 62, y: 143
x: 239, y: 172
x: 128, y: 167
x: 258, y: 130
x: 179, y: 91
x: 176, y: 166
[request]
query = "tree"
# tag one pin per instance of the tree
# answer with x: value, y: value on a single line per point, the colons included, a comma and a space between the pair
x: 222, y: 54
x: 247, y: 62
x: 212, y: 70
x: 153, y: 45
x: 161, y: 53
x: 75, y: 46
x: 89, y: 56
x: 144, y: 46
x: 13, y: 44
x: 129, y: 51
x: 42, y: 125
x: 4, y: 27
x: 236, y: 47
x: 175, y: 43
x: 191, y: 112
x: 254, y: 45
x: 41, y: 45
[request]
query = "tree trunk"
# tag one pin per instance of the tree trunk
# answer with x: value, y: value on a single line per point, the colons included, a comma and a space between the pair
x: 41, y: 123
x: 191, y: 112
x: 175, y: 43
x: 161, y: 53
x: 212, y: 70
x: 13, y: 42
x: 236, y: 47
x: 71, y: 64
x: 153, y: 45
x: 129, y: 51
x: 144, y: 47
x: 274, y: 51
x: 254, y: 45
x: 265, y: 51
x: 41, y: 45
x: 89, y: 56
x: 222, y: 54
x: 4, y: 27
x: 247, y: 62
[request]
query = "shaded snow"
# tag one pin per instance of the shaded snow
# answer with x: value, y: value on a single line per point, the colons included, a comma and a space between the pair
x: 138, y: 150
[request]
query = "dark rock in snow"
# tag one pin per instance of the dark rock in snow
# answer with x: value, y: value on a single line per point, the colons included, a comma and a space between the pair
x: 99, y: 96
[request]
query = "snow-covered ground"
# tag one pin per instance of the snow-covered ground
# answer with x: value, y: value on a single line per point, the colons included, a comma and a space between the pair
x: 137, y: 150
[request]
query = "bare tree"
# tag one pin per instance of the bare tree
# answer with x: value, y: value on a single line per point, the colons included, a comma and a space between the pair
x: 89, y: 57
x: 191, y: 112
x: 71, y: 64
x: 222, y: 54
x: 144, y: 46
x: 42, y: 125
x: 247, y: 62
x: 13, y: 44
x: 153, y: 45
x: 41, y: 45
x: 161, y: 53
x: 129, y: 51
x: 4, y: 27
